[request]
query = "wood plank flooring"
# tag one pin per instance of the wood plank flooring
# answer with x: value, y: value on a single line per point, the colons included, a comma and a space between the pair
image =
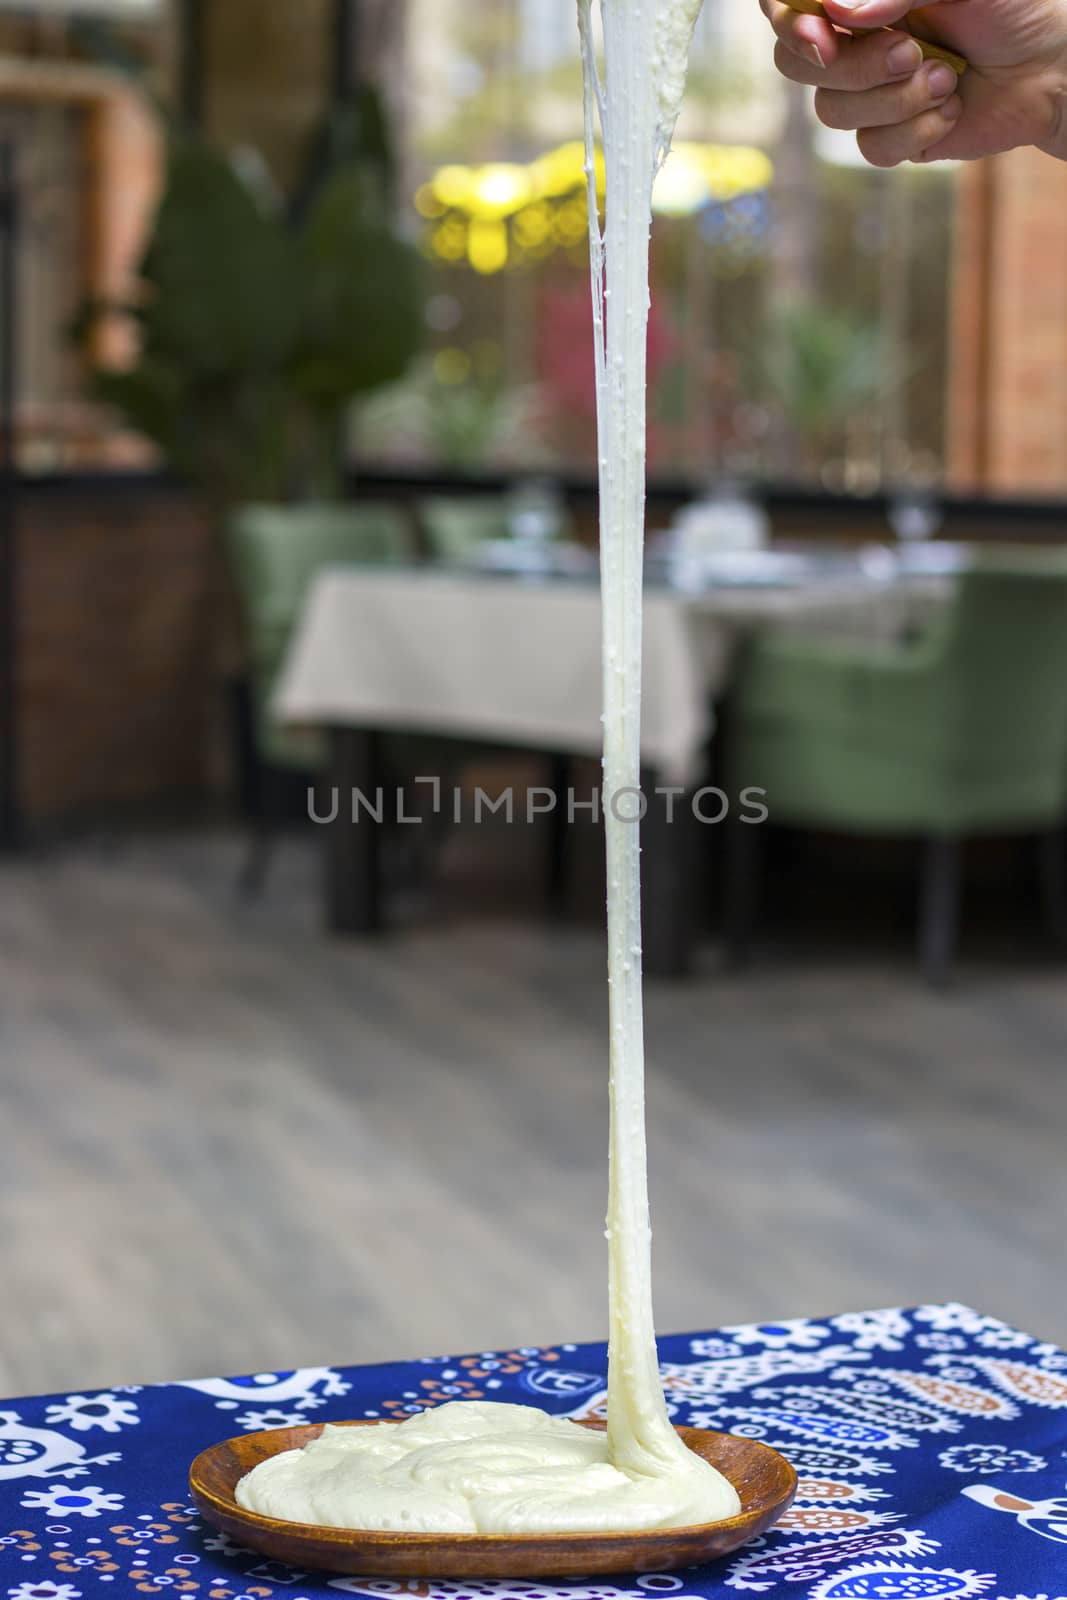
x: 230, y: 1145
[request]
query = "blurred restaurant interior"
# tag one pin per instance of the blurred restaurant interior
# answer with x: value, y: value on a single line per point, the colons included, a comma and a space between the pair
x: 303, y: 1041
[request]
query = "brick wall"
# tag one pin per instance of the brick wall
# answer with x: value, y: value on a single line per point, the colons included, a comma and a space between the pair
x: 115, y: 603
x: 1007, y: 423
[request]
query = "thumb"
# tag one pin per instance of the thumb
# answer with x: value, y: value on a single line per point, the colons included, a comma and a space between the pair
x: 868, y: 13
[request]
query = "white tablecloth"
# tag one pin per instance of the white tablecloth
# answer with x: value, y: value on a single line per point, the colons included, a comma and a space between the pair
x: 519, y: 663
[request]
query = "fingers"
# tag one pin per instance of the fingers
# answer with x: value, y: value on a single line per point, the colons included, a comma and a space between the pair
x: 805, y: 38
x: 888, y: 103
x: 875, y: 84
x: 859, y: 64
x: 868, y: 13
x: 909, y: 141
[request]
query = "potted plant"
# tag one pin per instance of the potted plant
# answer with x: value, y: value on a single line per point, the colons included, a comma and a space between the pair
x: 260, y: 321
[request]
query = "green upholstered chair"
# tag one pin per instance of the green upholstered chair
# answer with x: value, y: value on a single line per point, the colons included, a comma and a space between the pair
x: 962, y: 732
x: 275, y: 553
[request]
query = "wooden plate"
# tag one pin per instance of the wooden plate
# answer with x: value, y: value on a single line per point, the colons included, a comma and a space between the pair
x: 763, y: 1479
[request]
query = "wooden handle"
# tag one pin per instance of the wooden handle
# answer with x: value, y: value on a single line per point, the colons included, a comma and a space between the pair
x: 931, y: 52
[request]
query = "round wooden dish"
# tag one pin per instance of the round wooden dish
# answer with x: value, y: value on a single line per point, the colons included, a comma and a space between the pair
x: 764, y: 1480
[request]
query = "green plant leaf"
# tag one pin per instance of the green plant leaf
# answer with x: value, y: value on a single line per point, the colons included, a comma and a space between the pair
x: 352, y: 134
x: 361, y: 296
x: 253, y: 336
x: 222, y: 277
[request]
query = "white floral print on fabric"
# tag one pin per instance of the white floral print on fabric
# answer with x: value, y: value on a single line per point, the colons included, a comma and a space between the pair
x: 825, y: 1490
x: 954, y: 1318
x: 1003, y: 1339
x: 27, y: 1452
x: 980, y: 1459
x: 889, y: 1580
x: 84, y: 1411
x: 796, y: 1333
x: 1033, y: 1386
x: 874, y: 1330
x: 948, y: 1389
x: 1049, y: 1357
x: 44, y: 1590
x: 262, y: 1421
x: 700, y: 1380
x: 763, y: 1563
x: 713, y: 1349
x: 304, y: 1387
x: 70, y: 1500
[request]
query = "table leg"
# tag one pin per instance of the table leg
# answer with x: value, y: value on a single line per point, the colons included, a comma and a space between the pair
x: 559, y: 779
x: 352, y: 855
x: 668, y: 875
x: 1052, y: 867
x: 939, y: 907
x: 741, y: 879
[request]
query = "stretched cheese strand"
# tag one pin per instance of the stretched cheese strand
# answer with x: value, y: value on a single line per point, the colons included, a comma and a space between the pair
x: 490, y: 1468
x: 646, y: 46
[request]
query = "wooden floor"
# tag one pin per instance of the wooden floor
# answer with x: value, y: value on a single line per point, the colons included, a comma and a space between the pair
x: 231, y: 1145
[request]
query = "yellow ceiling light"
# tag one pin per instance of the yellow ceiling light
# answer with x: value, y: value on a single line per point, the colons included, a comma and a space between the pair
x: 427, y: 203
x: 449, y: 240
x: 559, y: 171
x: 533, y: 226
x: 503, y: 211
x: 501, y: 189
x: 570, y: 223
x: 453, y: 187
x: 487, y: 244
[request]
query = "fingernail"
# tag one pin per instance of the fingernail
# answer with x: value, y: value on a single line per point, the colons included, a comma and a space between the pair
x: 940, y: 81
x: 951, y: 108
x: 814, y: 54
x: 904, y: 57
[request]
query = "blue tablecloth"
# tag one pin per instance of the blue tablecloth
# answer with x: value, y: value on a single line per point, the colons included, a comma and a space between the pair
x: 931, y: 1446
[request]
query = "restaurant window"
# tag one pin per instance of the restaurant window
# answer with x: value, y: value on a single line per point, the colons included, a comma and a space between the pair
x: 799, y: 297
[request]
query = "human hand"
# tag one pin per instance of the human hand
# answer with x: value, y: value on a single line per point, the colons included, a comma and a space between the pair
x: 905, y: 109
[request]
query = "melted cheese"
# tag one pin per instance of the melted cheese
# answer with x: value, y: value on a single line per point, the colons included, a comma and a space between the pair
x: 471, y: 1467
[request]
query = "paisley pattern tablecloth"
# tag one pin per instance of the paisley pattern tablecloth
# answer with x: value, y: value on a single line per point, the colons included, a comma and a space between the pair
x: 931, y: 1445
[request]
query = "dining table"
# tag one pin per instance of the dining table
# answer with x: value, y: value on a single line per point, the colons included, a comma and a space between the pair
x: 930, y: 1444
x: 508, y: 652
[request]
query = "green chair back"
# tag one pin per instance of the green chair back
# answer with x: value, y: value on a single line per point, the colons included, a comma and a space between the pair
x: 964, y: 731
x: 1003, y: 666
x: 455, y: 525
x: 275, y: 554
